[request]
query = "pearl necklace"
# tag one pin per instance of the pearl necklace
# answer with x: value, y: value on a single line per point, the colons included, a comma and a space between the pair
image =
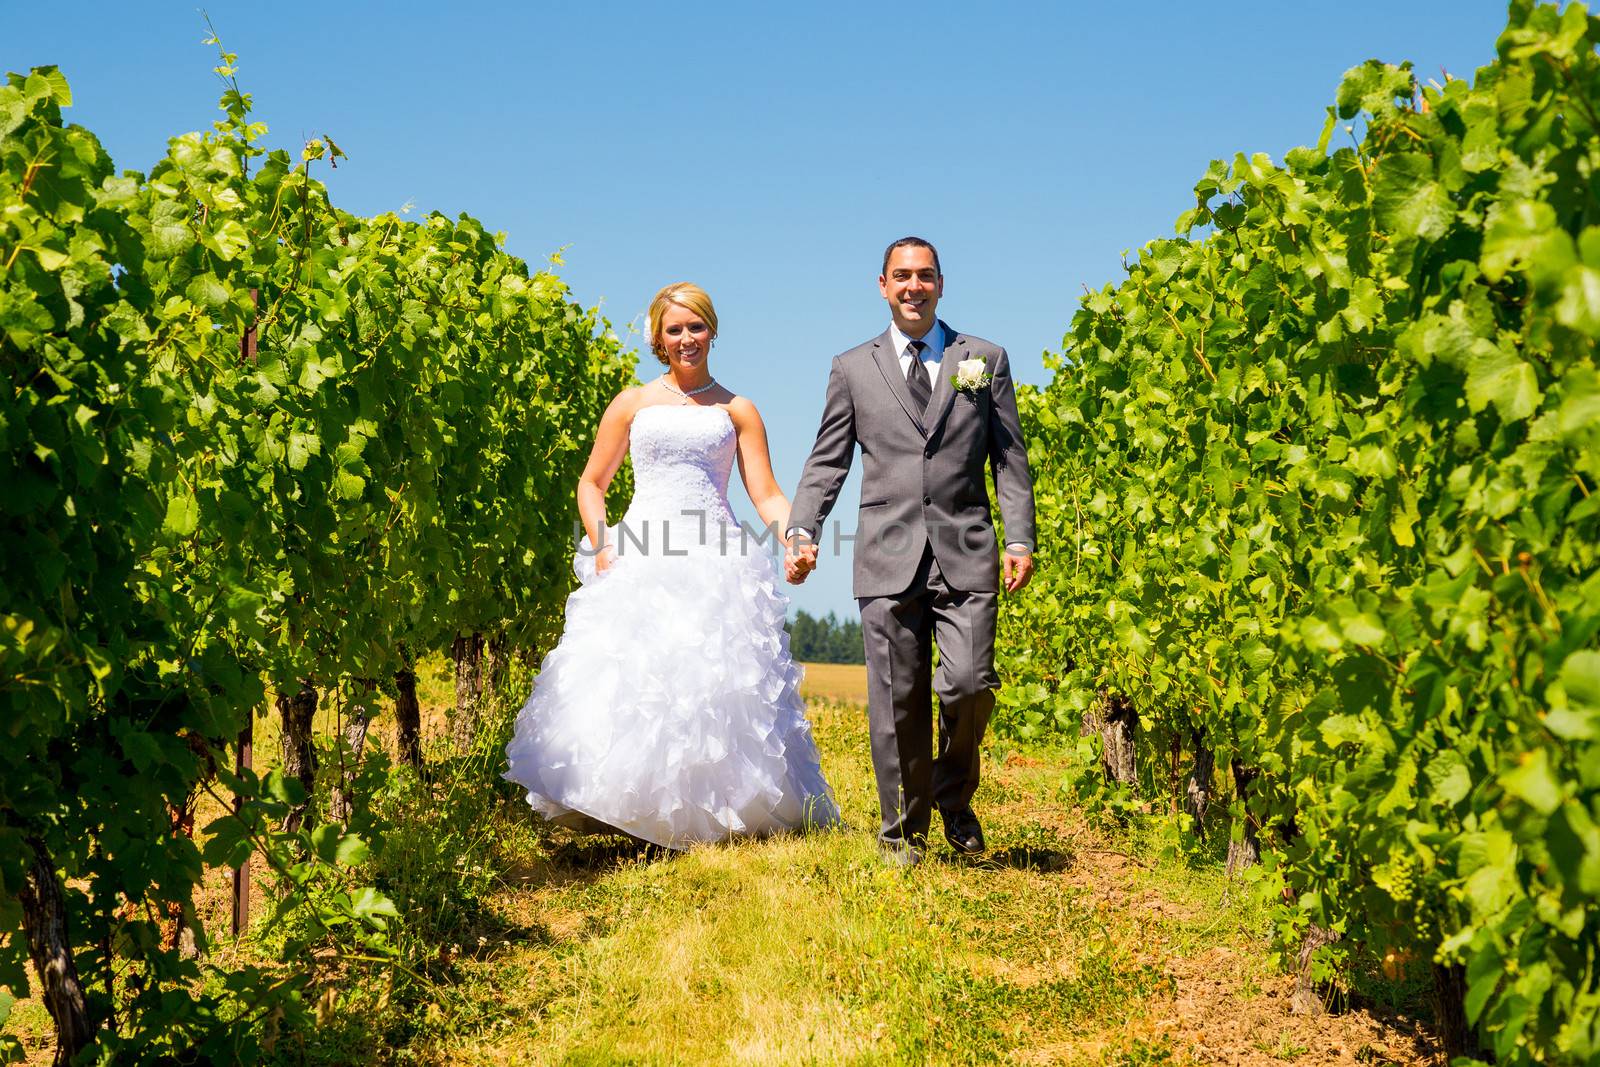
x: 692, y: 392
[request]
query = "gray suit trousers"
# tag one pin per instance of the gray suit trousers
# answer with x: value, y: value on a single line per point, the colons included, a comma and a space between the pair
x: 900, y: 632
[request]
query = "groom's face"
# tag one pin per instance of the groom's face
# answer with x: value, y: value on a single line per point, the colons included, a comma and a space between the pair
x: 912, y: 285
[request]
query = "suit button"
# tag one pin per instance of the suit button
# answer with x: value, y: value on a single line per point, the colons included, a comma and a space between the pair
x: 927, y: 500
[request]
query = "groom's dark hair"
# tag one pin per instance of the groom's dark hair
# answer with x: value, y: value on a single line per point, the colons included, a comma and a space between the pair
x: 912, y: 242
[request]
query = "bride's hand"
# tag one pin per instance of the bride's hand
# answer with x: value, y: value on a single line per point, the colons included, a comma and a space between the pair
x: 604, y: 559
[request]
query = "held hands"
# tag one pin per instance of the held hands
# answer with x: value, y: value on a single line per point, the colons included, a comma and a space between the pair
x: 799, y: 558
x: 1015, y: 570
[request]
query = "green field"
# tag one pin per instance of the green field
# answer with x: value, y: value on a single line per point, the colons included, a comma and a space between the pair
x: 842, y: 682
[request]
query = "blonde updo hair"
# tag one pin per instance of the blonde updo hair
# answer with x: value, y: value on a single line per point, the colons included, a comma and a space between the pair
x: 685, y: 295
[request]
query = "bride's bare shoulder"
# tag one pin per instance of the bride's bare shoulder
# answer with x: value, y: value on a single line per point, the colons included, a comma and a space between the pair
x: 742, y: 410
x: 628, y: 402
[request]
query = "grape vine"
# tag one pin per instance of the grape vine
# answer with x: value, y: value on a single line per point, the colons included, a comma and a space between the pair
x: 189, y: 526
x: 1317, y: 494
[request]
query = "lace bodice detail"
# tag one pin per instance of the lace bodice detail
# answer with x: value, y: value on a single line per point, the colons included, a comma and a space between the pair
x: 682, y: 457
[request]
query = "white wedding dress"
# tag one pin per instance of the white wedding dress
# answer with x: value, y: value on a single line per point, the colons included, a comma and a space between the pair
x: 671, y: 709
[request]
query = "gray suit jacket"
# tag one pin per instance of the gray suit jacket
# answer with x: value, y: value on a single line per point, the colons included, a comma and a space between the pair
x: 923, y: 475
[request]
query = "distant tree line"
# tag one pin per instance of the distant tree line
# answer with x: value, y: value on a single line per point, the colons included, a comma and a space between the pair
x: 825, y: 640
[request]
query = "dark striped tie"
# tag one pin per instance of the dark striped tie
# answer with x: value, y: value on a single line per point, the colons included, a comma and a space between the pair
x: 917, y: 379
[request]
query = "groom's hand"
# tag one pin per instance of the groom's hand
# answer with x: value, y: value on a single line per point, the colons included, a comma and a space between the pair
x: 800, y: 558
x: 796, y: 569
x: 1016, y: 569
x: 800, y: 562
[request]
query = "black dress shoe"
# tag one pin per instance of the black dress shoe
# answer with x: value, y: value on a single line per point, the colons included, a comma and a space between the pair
x: 963, y: 832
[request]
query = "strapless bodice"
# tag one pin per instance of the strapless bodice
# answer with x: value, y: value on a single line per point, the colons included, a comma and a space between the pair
x: 682, y: 458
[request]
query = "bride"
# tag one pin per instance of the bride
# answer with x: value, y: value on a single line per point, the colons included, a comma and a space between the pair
x: 670, y: 710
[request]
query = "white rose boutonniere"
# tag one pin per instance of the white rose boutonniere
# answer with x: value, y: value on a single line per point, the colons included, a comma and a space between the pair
x: 971, y: 375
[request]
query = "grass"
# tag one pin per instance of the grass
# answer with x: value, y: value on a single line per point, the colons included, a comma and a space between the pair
x: 795, y: 950
x: 1063, y: 945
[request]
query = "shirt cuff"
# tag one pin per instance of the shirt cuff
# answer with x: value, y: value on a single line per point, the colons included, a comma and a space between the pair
x: 1017, y: 548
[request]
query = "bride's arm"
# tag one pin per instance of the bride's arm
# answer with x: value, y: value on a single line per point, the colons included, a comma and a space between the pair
x: 610, y: 447
x: 755, y: 467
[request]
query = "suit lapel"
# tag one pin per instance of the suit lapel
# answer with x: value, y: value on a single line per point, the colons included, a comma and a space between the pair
x: 889, y: 363
x: 944, y: 394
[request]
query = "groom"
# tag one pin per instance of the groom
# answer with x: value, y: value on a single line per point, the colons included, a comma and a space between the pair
x: 927, y: 570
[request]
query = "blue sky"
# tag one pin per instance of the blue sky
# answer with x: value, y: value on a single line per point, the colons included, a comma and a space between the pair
x: 766, y: 152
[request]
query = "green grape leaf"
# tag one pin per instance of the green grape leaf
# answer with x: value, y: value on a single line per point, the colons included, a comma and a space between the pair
x: 228, y: 239
x: 56, y: 84
x: 283, y: 788
x: 334, y: 846
x: 142, y: 750
x: 1580, y: 677
x: 1524, y: 236
x: 369, y: 904
x: 227, y: 842
x: 49, y: 258
x: 349, y: 486
x: 1371, y: 87
x: 1405, y: 517
x: 1574, y: 843
x: 302, y: 446
x: 1407, y: 201
x: 1579, y: 306
x: 1449, y: 777
x: 13, y: 109
x: 1496, y: 376
x: 183, y: 514
x: 170, y: 233
x: 1534, y: 782
x: 207, y: 291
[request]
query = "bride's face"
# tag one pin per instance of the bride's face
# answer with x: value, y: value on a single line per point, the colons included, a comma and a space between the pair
x: 685, y: 338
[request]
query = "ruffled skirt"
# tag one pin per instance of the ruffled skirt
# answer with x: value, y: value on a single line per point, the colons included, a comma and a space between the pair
x: 670, y: 710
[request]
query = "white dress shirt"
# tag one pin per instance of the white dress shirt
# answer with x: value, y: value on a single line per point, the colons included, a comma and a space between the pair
x: 932, y: 352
